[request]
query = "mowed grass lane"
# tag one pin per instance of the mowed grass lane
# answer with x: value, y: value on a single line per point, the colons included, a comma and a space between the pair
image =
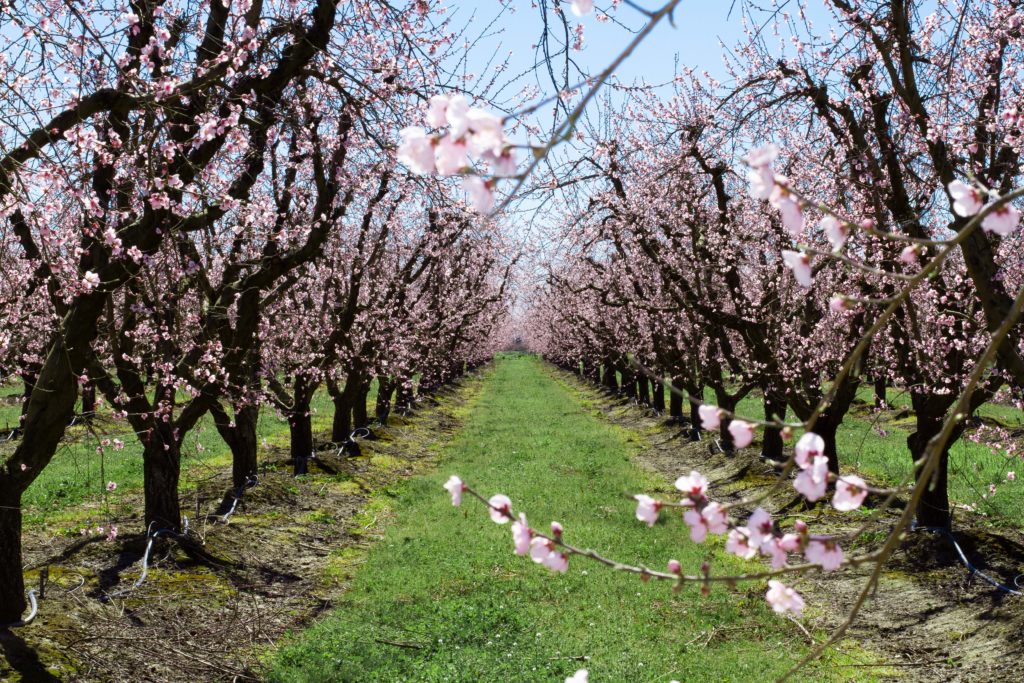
x: 443, y: 598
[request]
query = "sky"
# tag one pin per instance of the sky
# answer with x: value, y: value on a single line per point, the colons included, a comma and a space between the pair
x: 699, y: 28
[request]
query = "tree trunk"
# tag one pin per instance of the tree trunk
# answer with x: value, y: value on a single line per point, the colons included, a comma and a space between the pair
x: 385, y: 390
x: 774, y: 409
x: 880, y: 399
x: 675, y: 400
x: 628, y: 388
x: 88, y: 400
x: 244, y: 458
x: 658, y: 396
x: 610, y: 378
x: 12, y: 580
x: 240, y: 436
x: 725, y: 402
x: 404, y: 396
x: 643, y: 390
x: 341, y: 425
x: 161, y: 470
x: 300, y: 427
x: 360, y: 418
x: 933, y: 509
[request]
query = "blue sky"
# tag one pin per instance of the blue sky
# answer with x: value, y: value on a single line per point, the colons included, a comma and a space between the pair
x: 695, y: 38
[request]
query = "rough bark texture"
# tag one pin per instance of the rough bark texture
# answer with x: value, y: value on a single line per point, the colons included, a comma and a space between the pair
x: 12, y: 582
x: 385, y: 392
x: 300, y: 427
x: 772, y: 445
x: 161, y: 469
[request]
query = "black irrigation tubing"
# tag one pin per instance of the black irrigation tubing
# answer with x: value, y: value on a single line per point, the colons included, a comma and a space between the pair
x: 236, y: 495
x: 946, y: 533
x: 151, y: 536
x: 31, y: 615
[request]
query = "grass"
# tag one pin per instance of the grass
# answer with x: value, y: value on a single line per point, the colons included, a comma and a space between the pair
x: 79, y: 472
x: 877, y: 448
x: 442, y: 597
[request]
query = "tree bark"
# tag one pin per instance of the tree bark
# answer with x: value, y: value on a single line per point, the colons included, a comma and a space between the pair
x: 341, y: 424
x: 161, y: 470
x: 385, y: 391
x: 88, y: 400
x: 610, y: 377
x: 300, y: 427
x: 643, y: 390
x: 360, y: 417
x: 675, y: 400
x: 658, y: 396
x: 774, y: 408
x: 880, y: 398
x: 933, y: 509
x: 12, y: 581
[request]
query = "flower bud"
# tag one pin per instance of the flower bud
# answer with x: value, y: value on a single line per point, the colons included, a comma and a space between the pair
x: 675, y: 567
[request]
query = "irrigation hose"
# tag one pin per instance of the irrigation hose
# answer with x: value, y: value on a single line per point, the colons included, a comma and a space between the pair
x: 966, y: 562
x: 34, y: 608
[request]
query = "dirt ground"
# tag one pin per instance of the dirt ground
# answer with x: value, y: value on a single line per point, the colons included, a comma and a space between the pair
x: 929, y: 620
x: 282, y: 559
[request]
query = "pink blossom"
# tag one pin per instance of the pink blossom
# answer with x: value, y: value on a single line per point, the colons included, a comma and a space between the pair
x: 111, y: 485
x: 500, y: 508
x: 486, y: 133
x: 773, y: 548
x: 90, y: 280
x: 693, y: 485
x: 839, y: 304
x: 850, y: 493
x: 800, y: 264
x: 416, y: 150
x: 812, y: 481
x: 457, y: 115
x: 112, y: 533
x: 791, y: 543
x: 542, y: 551
x: 481, y: 198
x: 521, y: 535
x: 455, y: 487
x: 711, y: 518
x: 582, y: 8
x: 738, y: 543
x: 762, y: 182
x: 710, y: 417
x: 742, y: 433
x: 909, y: 254
x: 967, y: 200
x: 828, y: 554
x: 759, y: 526
x: 1011, y: 475
x: 450, y: 156
x: 159, y: 200
x: 808, y: 448
x: 675, y: 567
x: 1002, y: 221
x: 789, y: 209
x: 647, y: 509
x: 835, y: 231
x: 436, y: 111
x: 760, y: 157
x: 783, y: 599
x: 503, y: 165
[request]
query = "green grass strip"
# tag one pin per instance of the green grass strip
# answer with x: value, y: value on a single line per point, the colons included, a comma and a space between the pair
x: 442, y: 597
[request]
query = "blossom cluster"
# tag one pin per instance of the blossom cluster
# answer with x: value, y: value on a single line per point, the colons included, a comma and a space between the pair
x: 1001, y: 217
x: 471, y: 134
